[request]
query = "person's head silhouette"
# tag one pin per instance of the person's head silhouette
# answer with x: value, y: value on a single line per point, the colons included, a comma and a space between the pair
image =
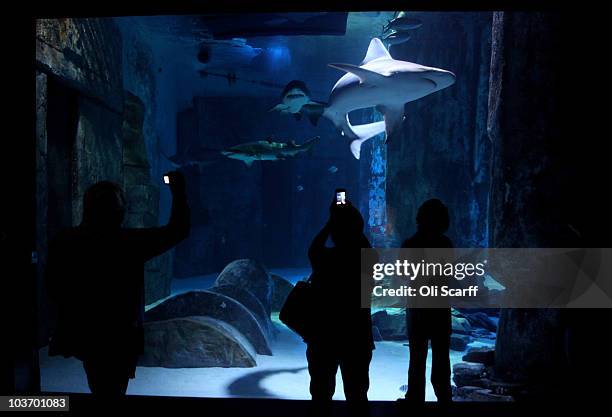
x: 104, y: 205
x: 432, y: 217
x: 346, y: 225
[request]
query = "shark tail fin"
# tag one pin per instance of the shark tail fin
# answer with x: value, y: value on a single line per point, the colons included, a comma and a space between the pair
x: 313, y: 111
x: 363, y: 133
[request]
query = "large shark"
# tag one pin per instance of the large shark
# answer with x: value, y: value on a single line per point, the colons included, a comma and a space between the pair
x: 384, y: 83
x: 268, y: 150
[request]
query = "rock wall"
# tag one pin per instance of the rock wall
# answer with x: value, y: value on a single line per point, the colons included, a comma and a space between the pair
x: 82, y: 57
x: 443, y: 149
x: 150, y: 72
x: 85, y: 53
x: 80, y: 71
x: 149, y: 76
x: 142, y: 195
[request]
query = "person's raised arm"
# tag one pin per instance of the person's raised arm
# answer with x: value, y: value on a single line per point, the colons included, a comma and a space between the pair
x: 156, y: 240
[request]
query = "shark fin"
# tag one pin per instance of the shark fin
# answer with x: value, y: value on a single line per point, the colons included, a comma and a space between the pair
x: 376, y: 50
x: 363, y: 74
x: 279, y: 107
x: 363, y: 133
x: 313, y: 111
x: 394, y: 116
x: 248, y: 162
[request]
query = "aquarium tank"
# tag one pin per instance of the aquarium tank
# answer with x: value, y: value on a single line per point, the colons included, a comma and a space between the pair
x: 266, y: 115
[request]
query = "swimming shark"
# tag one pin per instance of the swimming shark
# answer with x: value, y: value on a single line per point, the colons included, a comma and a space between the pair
x: 384, y: 83
x: 268, y: 150
x: 193, y: 156
x: 295, y: 99
x: 403, y: 23
x: 381, y: 82
x: 396, y: 37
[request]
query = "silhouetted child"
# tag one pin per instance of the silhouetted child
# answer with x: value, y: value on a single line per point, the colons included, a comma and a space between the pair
x: 343, y: 329
x: 95, y: 277
x: 429, y: 324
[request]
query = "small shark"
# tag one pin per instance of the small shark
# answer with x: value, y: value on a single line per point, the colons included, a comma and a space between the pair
x: 403, y: 23
x: 197, y: 157
x: 381, y: 82
x: 268, y: 150
x: 397, y: 37
x: 295, y: 99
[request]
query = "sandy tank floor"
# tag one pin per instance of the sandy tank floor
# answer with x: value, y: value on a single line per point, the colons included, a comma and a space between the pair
x: 283, y: 375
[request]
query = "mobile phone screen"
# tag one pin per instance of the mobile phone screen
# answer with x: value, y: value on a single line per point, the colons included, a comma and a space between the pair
x: 340, y: 197
x: 166, y: 179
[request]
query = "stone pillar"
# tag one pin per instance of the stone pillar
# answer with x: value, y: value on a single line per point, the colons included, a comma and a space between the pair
x: 527, y: 193
x: 442, y: 151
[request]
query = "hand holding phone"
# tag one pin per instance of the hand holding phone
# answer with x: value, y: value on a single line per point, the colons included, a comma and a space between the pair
x: 340, y: 196
x: 176, y: 181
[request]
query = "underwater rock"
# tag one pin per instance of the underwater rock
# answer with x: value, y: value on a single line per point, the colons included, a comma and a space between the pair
x: 488, y: 395
x: 464, y: 312
x: 482, y: 320
x: 195, y: 342
x: 461, y: 325
x: 392, y: 326
x: 483, y: 334
x: 216, y: 306
x: 280, y: 290
x: 459, y: 341
x: 376, y: 334
x: 251, y: 275
x: 469, y: 393
x: 463, y: 393
x: 483, y: 355
x: 248, y: 300
x: 467, y: 373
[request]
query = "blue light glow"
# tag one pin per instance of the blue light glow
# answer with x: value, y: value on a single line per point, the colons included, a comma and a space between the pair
x: 278, y: 56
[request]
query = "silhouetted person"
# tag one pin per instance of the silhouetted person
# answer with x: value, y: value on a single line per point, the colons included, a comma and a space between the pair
x: 429, y: 324
x: 343, y: 329
x: 95, y: 277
